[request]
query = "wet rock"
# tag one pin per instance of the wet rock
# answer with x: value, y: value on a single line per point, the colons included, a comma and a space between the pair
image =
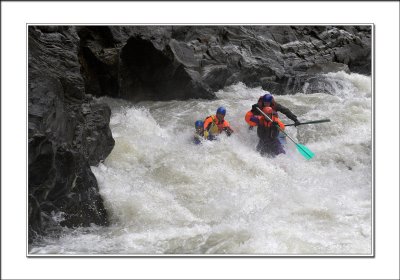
x: 183, y: 53
x: 61, y: 118
x: 323, y: 68
x: 215, y: 76
x: 152, y: 58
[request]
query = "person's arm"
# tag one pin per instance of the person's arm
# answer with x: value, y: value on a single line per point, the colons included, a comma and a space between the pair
x: 197, y: 139
x: 251, y: 119
x: 206, y: 126
x: 287, y: 112
x: 280, y: 123
x: 207, y: 123
x: 227, y: 128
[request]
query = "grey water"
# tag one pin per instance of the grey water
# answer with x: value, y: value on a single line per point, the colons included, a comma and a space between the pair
x: 166, y: 195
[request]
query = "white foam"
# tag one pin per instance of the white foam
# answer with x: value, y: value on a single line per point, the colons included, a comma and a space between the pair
x: 167, y: 195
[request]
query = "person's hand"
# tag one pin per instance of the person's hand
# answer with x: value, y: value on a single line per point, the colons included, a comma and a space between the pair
x: 228, y: 130
x: 255, y: 120
x: 253, y: 107
x: 275, y: 124
x: 296, y: 122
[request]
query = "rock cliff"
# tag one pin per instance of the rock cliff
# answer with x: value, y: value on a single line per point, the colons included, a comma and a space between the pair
x: 67, y: 132
x: 180, y: 62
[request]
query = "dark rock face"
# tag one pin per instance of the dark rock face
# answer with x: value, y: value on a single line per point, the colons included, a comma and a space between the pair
x: 139, y: 63
x: 180, y: 62
x: 67, y: 132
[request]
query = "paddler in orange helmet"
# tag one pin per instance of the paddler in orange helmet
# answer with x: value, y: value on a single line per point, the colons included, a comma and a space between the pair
x: 268, y: 132
x: 215, y: 124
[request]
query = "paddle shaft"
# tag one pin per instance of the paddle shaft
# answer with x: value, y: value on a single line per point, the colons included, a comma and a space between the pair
x: 310, y: 122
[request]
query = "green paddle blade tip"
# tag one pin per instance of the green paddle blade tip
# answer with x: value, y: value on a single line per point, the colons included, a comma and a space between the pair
x: 305, y: 151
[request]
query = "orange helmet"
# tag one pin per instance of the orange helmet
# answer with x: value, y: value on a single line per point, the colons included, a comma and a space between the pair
x: 267, y: 110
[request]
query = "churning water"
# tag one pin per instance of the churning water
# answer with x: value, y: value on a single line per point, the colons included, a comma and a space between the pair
x: 166, y: 195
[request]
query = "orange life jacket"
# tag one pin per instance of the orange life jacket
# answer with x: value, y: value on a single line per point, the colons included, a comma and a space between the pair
x: 250, y: 114
x: 214, y: 126
x: 265, y: 122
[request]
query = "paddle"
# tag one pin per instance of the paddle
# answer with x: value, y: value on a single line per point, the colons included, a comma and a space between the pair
x: 304, y: 151
x: 310, y: 122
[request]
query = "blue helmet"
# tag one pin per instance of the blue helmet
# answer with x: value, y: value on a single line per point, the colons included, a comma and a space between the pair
x: 221, y: 110
x: 267, y: 97
x: 199, y: 123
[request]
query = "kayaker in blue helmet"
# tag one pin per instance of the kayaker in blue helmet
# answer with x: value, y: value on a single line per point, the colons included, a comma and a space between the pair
x: 267, y: 100
x: 199, y: 131
x: 221, y: 111
x: 215, y: 124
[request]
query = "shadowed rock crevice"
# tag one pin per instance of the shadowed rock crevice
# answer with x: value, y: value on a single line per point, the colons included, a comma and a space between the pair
x: 99, y: 60
x: 146, y: 72
x: 101, y: 79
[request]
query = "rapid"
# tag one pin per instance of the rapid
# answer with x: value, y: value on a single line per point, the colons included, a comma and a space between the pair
x: 166, y: 195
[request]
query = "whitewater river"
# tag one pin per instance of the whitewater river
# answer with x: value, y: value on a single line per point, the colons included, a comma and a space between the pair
x: 166, y: 195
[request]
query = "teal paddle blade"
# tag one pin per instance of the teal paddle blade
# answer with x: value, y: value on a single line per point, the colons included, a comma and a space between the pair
x: 305, y: 151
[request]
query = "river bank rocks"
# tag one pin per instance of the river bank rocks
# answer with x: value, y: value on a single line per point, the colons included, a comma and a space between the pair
x: 180, y: 62
x: 67, y: 132
x: 68, y: 129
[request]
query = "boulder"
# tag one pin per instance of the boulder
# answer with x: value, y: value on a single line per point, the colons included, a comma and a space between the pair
x: 327, y: 67
x: 67, y: 132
